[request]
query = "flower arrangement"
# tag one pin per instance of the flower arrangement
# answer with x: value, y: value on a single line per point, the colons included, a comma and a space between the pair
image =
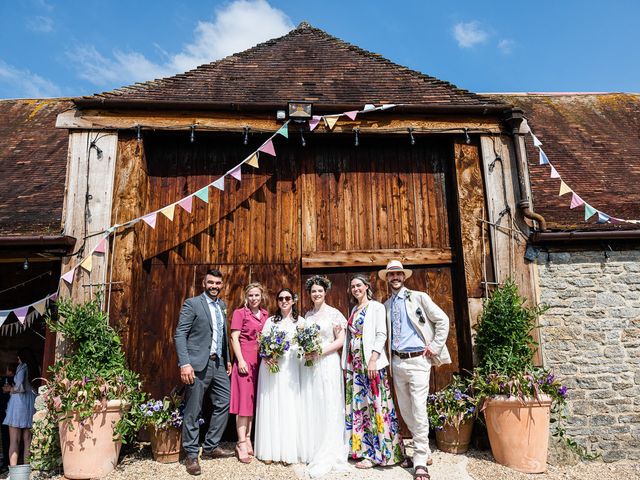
x: 527, y: 384
x: 161, y: 414
x: 273, y: 345
x: 308, y: 338
x: 452, y: 405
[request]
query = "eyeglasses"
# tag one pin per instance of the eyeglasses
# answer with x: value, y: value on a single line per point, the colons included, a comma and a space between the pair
x: 284, y: 299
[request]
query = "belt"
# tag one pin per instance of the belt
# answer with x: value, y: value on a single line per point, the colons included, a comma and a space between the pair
x: 214, y: 356
x: 405, y: 355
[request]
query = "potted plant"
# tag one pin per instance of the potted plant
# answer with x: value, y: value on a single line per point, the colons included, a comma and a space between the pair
x: 451, y: 413
x: 90, y: 395
x: 517, y: 396
x: 163, y: 418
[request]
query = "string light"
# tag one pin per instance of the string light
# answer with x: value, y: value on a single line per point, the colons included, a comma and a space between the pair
x: 356, y: 130
x: 192, y: 135
x: 412, y: 139
x: 138, y: 133
x: 467, y: 139
x: 246, y: 129
x: 25, y: 265
x: 302, y: 140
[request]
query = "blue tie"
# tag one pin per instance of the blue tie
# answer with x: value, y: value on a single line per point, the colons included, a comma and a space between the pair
x: 216, y: 308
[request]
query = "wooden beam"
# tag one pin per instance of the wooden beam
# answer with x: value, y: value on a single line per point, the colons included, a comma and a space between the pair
x: 377, y: 258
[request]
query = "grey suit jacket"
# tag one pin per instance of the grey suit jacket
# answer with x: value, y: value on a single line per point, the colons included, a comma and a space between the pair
x: 194, y: 333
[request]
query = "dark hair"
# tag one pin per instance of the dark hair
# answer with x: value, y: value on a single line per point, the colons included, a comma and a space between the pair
x: 214, y: 272
x: 294, y: 309
x: 363, y: 279
x: 33, y: 371
x: 323, y: 282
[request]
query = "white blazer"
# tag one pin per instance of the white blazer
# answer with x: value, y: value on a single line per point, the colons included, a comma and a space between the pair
x: 374, y: 335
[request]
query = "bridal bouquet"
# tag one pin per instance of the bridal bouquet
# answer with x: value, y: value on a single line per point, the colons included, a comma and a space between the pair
x: 273, y: 345
x: 308, y: 338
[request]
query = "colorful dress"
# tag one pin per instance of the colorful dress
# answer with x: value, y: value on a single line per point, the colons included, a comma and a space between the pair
x: 371, y: 419
x: 244, y: 386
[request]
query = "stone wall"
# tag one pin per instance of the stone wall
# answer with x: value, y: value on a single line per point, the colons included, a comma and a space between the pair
x: 591, y: 338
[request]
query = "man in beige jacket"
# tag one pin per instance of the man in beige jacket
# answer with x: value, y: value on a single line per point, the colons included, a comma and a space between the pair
x: 418, y: 331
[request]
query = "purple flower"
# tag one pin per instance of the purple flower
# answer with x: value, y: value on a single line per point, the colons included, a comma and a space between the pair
x: 471, y: 409
x: 457, y: 395
x: 200, y: 421
x: 563, y: 391
x: 550, y: 378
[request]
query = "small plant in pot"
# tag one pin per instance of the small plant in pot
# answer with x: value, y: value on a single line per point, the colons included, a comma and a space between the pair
x: 451, y: 413
x: 163, y: 418
x: 517, y: 397
x: 91, y: 394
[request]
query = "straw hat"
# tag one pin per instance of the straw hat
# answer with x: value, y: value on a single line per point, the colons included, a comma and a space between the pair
x: 394, y: 266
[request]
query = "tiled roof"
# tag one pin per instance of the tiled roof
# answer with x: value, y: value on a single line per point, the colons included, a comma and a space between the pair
x: 593, y: 141
x: 306, y: 64
x: 33, y: 162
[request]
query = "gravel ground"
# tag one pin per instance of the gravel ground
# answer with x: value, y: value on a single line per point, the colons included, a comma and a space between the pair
x: 475, y: 465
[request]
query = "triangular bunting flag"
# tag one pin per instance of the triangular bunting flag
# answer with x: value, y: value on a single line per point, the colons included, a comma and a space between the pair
x: 576, y: 201
x: 187, y: 203
x: 21, y: 313
x: 543, y: 158
x: 368, y: 107
x: 330, y: 122
x: 3, y: 316
x: 352, y: 114
x: 268, y: 148
x: 536, y: 142
x: 616, y: 220
x: 554, y: 172
x: 102, y: 246
x: 41, y: 306
x: 168, y: 211
x: 53, y: 297
x: 603, y: 217
x: 236, y: 173
x: 253, y: 160
x: 564, y: 188
x: 112, y: 229
x: 68, y: 277
x: 589, y: 211
x: 203, y: 194
x: 87, y: 263
x: 387, y: 106
x: 151, y: 219
x: 219, y: 183
x: 313, y: 123
x: 284, y: 130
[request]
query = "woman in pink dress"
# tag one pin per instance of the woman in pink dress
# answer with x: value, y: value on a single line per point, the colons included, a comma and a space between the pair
x: 246, y: 323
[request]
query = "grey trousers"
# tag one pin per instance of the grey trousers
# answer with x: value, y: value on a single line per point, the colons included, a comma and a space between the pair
x: 214, y: 381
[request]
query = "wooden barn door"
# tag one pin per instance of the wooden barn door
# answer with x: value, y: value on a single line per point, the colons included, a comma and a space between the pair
x: 384, y: 199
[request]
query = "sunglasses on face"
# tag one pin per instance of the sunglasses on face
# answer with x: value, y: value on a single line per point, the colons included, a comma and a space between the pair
x: 284, y: 299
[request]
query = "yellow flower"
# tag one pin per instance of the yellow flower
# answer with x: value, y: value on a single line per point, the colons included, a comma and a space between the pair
x: 356, y: 443
x: 379, y: 422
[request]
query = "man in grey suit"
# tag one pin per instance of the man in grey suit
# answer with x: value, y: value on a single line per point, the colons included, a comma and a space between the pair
x: 205, y: 365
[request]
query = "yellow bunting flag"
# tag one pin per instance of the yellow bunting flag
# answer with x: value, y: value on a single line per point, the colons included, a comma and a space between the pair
x: 168, y: 211
x: 41, y: 306
x: 253, y: 160
x: 331, y: 122
x: 87, y: 263
x: 564, y: 188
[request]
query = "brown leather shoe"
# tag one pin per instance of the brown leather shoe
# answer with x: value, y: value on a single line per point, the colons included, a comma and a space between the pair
x: 219, y: 452
x: 193, y: 467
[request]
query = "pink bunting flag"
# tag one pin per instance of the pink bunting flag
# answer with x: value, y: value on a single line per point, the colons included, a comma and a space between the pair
x: 576, y: 201
x: 68, y: 277
x: 313, y: 123
x: 53, y: 297
x: 554, y: 172
x: 151, y: 219
x: 102, y: 246
x: 236, y: 173
x: 268, y: 148
x: 21, y: 313
x: 617, y: 220
x: 352, y: 114
x: 187, y: 203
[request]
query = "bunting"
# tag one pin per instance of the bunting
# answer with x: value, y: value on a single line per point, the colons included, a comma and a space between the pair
x: 543, y: 158
x: 102, y: 246
x: 87, y: 263
x: 284, y: 130
x: 187, y: 203
x: 313, y: 123
x: 352, y: 115
x: 576, y: 201
x: 68, y: 277
x: 253, y: 161
x: 589, y: 211
x: 22, y: 313
x: 203, y: 194
x: 151, y: 219
x: 564, y: 188
x: 267, y: 147
x: 236, y: 173
x: 168, y: 211
x: 219, y: 184
x: 330, y: 122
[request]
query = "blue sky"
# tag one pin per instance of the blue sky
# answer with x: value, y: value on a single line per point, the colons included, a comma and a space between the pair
x: 78, y: 47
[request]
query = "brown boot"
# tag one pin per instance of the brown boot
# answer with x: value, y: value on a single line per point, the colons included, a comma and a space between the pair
x: 193, y: 467
x: 218, y: 452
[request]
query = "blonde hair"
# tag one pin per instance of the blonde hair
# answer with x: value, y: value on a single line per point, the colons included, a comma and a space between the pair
x: 251, y: 286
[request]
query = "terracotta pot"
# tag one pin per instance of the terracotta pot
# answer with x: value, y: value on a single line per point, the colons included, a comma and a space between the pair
x: 452, y: 440
x: 165, y: 444
x: 89, y: 451
x: 519, y: 431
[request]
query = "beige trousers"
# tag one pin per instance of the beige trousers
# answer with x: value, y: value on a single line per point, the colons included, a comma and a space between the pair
x: 411, y: 383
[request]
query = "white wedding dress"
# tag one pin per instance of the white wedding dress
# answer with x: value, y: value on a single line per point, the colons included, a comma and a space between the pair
x: 323, y: 443
x: 278, y: 405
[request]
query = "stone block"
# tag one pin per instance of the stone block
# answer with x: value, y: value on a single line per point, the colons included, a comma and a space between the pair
x: 609, y: 299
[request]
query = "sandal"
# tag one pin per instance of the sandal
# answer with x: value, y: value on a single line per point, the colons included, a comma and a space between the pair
x: 242, y: 459
x: 363, y: 464
x: 408, y: 463
x: 249, y: 446
x: 422, y: 475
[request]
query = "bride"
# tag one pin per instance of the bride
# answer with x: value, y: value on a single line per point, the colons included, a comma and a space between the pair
x: 322, y: 389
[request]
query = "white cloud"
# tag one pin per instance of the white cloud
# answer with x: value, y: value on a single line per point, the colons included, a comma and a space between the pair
x: 506, y: 46
x: 469, y: 34
x: 40, y: 24
x: 236, y: 27
x: 21, y: 83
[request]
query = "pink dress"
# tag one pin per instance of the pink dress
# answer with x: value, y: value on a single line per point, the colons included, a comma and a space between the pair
x: 243, y: 386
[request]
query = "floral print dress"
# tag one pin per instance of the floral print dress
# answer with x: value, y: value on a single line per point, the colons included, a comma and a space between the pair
x: 371, y: 419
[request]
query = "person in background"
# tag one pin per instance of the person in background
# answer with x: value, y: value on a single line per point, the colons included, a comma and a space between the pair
x: 6, y: 379
x: 19, y: 417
